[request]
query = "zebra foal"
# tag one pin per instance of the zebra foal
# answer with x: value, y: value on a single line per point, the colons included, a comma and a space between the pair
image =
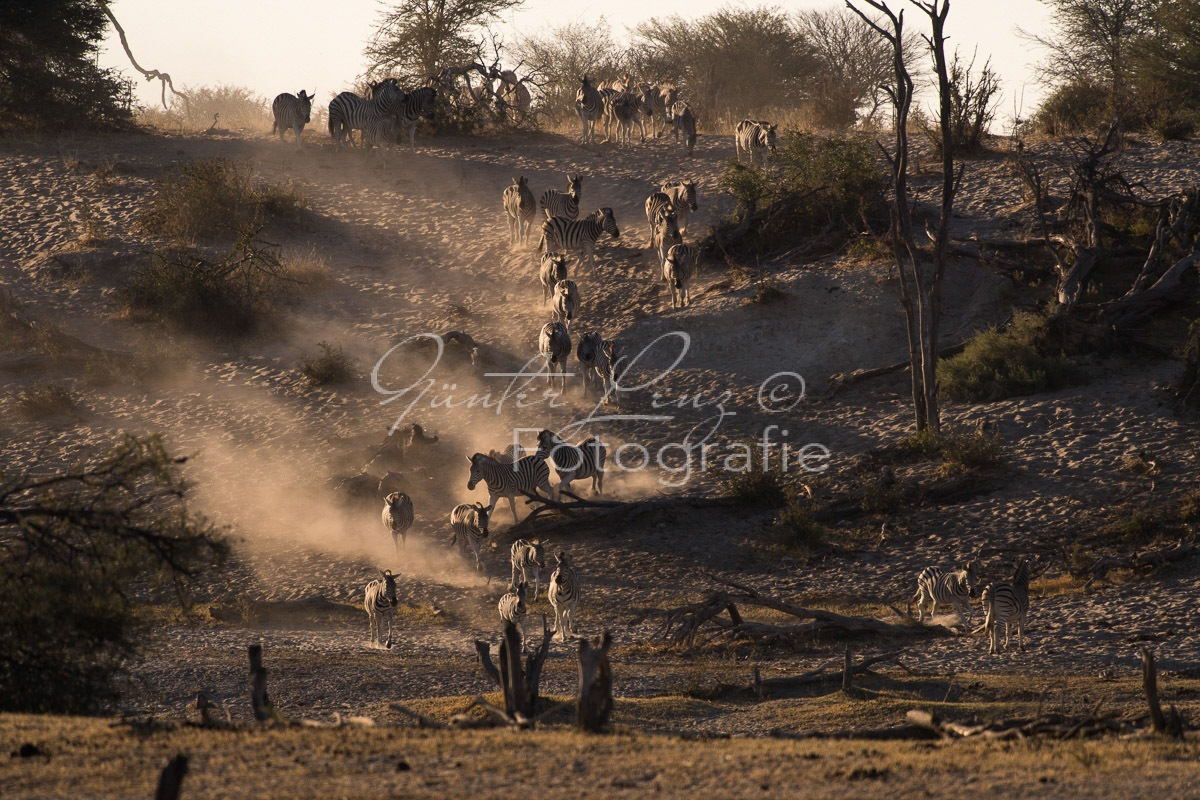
x: 470, y: 522
x: 679, y: 267
x: 682, y: 196
x: 380, y: 602
x: 398, y: 517
x: 519, y: 208
x: 292, y: 111
x: 566, y: 302
x: 955, y: 589
x: 528, y: 558
x: 526, y: 476
x: 756, y: 138
x: 512, y: 608
x: 1006, y: 603
x: 553, y: 270
x: 684, y: 121
x: 574, y: 462
x: 589, y: 107
x: 560, y: 234
x: 563, y: 593
x: 554, y: 343
x: 587, y: 352
x: 564, y: 204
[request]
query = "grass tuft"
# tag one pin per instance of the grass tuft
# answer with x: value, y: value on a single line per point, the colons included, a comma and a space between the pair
x: 330, y: 366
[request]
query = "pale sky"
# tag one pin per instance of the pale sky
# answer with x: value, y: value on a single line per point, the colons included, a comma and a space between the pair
x: 273, y: 46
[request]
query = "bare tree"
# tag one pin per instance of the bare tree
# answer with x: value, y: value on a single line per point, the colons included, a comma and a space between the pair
x: 567, y: 53
x: 419, y: 37
x: 920, y: 277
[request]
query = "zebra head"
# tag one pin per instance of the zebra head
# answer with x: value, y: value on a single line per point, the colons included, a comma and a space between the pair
x: 425, y: 99
x: 539, y: 553
x: 605, y: 217
x: 481, y: 519
x: 476, y: 474
x: 306, y: 103
x: 389, y: 587
x: 769, y: 132
x: 668, y: 225
x: 561, y: 558
x: 588, y: 349
x: 971, y: 578
x: 548, y: 442
x: 520, y: 591
x: 689, y: 190
x: 1021, y: 573
x: 575, y: 186
x: 521, y: 182
x: 554, y: 267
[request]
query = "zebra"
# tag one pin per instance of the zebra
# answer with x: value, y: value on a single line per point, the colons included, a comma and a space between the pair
x: 662, y: 97
x: 611, y: 353
x: 682, y: 195
x: 684, y: 121
x: 471, y: 523
x: 514, y: 452
x: 349, y: 112
x: 512, y: 608
x: 292, y: 111
x: 620, y: 109
x: 381, y: 132
x: 574, y: 462
x: 587, y: 352
x: 679, y: 267
x: 526, y: 476
x: 560, y: 204
x: 379, y: 602
x: 554, y: 343
x: 589, y: 108
x: 398, y: 517
x: 954, y: 589
x: 562, y: 234
x: 563, y: 593
x: 414, y: 104
x: 665, y: 231
x: 656, y: 204
x: 519, y: 208
x: 554, y: 269
x: 754, y: 136
x: 528, y: 558
x: 566, y: 302
x: 1005, y: 602
x: 620, y: 85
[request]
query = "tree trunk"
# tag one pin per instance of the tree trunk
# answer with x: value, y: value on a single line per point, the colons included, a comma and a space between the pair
x: 259, y: 700
x: 170, y: 780
x: 595, y: 686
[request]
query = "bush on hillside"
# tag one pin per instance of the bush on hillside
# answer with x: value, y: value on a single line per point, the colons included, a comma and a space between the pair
x: 1020, y: 359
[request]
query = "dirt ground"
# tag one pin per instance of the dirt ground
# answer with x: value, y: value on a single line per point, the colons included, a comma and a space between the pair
x: 419, y: 245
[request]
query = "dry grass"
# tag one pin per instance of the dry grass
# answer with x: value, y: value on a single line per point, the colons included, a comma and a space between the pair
x: 45, y: 401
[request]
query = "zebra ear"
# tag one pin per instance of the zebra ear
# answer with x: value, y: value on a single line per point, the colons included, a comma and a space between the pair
x: 468, y: 458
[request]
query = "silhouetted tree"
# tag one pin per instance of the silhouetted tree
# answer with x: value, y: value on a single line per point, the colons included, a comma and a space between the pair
x: 564, y: 54
x: 418, y: 37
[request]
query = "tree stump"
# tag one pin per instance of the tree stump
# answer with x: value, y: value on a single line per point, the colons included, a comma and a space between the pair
x: 595, y: 686
x: 259, y: 700
x: 171, y: 779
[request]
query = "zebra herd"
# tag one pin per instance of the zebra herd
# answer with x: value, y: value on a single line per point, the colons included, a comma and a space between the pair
x: 380, y: 117
x: 505, y: 475
x: 621, y: 104
x: 1005, y: 603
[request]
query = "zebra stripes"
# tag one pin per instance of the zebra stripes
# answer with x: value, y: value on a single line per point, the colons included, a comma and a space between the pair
x: 682, y: 195
x: 607, y: 363
x: 588, y: 353
x: 679, y: 267
x: 562, y: 234
x: 1004, y: 603
x: 512, y: 608
x: 398, y: 517
x: 554, y: 343
x: 661, y: 99
x: 564, y: 594
x: 509, y: 454
x: 349, y: 112
x: 666, y: 232
x: 519, y: 208
x: 504, y: 480
x: 470, y: 523
x: 413, y: 105
x: 560, y: 204
x: 620, y: 109
x: 380, y: 602
x: 566, y: 302
x: 955, y: 589
x: 684, y: 121
x: 292, y: 111
x: 553, y: 270
x: 589, y: 107
x: 574, y: 462
x: 528, y: 558
x: 656, y: 204
x: 756, y: 138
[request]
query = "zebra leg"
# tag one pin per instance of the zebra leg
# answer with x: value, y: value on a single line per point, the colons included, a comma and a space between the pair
x: 388, y: 644
x: 1021, y: 633
x: 512, y: 503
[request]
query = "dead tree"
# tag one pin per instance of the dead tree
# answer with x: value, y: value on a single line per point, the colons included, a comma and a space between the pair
x: 519, y: 683
x: 920, y: 278
x: 259, y: 701
x: 149, y: 74
x: 170, y: 780
x: 595, y: 704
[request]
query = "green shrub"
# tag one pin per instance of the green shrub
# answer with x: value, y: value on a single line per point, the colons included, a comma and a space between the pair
x: 330, y: 366
x: 235, y: 294
x: 223, y: 106
x: 798, y: 530
x: 766, y: 292
x: 1174, y: 125
x: 960, y: 450
x: 1072, y: 108
x: 755, y: 485
x: 816, y: 186
x: 204, y: 199
x: 45, y: 400
x: 998, y: 363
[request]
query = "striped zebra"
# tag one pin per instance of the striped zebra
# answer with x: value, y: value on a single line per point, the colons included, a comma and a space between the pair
x: 1004, y: 603
x: 380, y: 602
x: 564, y: 204
x: 607, y: 365
x: 565, y: 235
x: 519, y: 208
x: 662, y: 97
x: 292, y: 111
x: 665, y: 231
x: 566, y: 302
x: 504, y: 480
x: 470, y: 523
x: 622, y: 84
x: 553, y: 270
x: 754, y: 137
x: 514, y: 452
x: 512, y: 608
x: 564, y: 594
x: 349, y: 112
x: 381, y: 132
x: 574, y: 462
x: 416, y: 103
x: 656, y: 204
x: 590, y: 108
x: 679, y: 267
x: 684, y: 121
x: 587, y: 352
x: 528, y: 558
x: 682, y: 195
x: 620, y: 110
x: 554, y: 343
x: 398, y: 517
x: 955, y: 589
